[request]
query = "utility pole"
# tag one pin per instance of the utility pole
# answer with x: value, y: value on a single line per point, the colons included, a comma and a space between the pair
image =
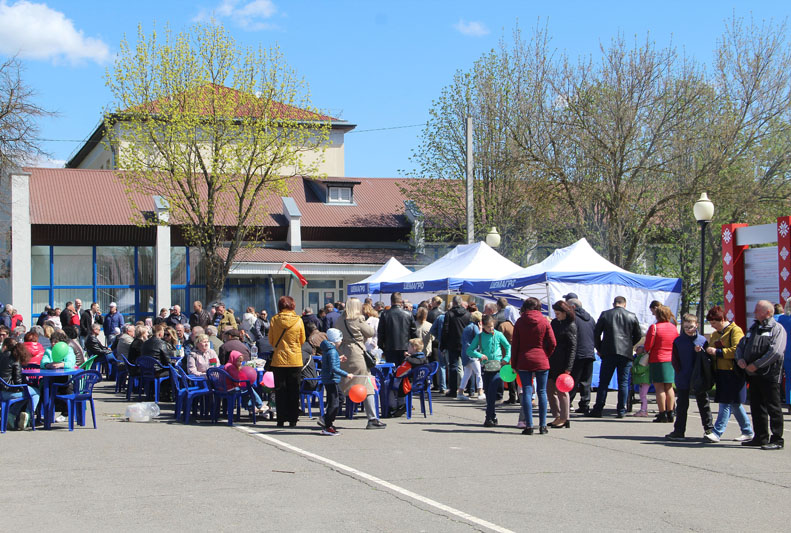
x: 470, y: 213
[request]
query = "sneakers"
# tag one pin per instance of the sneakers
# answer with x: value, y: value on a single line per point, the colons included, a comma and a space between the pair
x: 61, y: 418
x: 22, y: 420
x: 594, y: 413
x: 582, y: 410
x: 773, y: 445
x: 711, y: 436
x: 482, y: 397
x: 375, y: 424
x: 399, y: 411
x: 621, y: 414
x: 675, y: 436
x: 320, y: 421
x: 331, y: 431
x: 521, y: 424
x: 744, y: 437
x: 462, y: 397
x: 527, y: 431
x: 490, y: 423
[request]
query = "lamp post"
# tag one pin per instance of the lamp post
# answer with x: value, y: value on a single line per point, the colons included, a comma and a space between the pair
x: 704, y: 212
x: 493, y: 238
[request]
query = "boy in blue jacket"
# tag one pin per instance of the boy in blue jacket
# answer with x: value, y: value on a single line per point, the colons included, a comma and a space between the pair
x: 687, y: 349
x: 331, y: 374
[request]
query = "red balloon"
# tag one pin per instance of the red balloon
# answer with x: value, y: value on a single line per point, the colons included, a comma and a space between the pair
x: 564, y: 383
x: 358, y: 393
x: 518, y: 381
x: 248, y: 373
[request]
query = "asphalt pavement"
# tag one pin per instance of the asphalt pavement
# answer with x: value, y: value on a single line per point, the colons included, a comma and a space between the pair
x: 445, y: 472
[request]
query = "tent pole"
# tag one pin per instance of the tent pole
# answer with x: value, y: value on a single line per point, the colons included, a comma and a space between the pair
x: 549, y: 304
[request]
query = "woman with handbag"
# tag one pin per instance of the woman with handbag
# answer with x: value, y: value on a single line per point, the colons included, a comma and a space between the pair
x: 352, y: 324
x: 730, y: 381
x: 287, y: 334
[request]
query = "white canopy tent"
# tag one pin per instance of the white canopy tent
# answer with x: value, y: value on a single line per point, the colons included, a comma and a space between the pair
x: 370, y: 286
x: 477, y: 261
x: 579, y: 269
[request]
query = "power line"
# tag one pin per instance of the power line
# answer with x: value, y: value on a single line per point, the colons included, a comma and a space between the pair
x: 390, y: 128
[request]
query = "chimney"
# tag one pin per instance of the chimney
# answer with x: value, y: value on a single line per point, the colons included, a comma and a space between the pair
x: 292, y: 214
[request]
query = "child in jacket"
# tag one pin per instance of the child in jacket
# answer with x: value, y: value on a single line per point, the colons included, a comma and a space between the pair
x: 331, y: 374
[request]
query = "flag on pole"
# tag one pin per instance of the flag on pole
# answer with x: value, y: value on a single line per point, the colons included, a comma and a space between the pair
x: 294, y: 272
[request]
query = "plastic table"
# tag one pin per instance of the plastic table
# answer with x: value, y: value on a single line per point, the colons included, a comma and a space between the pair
x: 47, y: 378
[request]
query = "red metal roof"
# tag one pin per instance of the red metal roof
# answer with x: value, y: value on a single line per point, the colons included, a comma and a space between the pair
x: 372, y: 256
x: 83, y: 196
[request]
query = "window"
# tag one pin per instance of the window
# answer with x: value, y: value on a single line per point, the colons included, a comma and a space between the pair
x: 340, y: 195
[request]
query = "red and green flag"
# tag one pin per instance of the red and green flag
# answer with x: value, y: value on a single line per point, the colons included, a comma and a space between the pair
x: 294, y: 272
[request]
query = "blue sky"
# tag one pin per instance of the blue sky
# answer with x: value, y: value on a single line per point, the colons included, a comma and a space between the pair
x: 376, y: 64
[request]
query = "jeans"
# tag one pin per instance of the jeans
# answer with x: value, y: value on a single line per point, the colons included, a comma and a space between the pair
x: 443, y: 369
x: 254, y: 401
x: 17, y: 407
x: 608, y: 365
x: 454, y: 371
x: 725, y: 414
x: 682, y: 406
x: 582, y: 372
x: 526, y: 377
x: 333, y: 403
x: 491, y: 382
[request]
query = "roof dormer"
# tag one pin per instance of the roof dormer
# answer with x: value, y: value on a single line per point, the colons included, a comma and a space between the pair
x: 334, y: 191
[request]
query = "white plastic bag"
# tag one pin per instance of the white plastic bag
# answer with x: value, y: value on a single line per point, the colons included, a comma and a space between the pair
x: 137, y: 413
x: 142, y: 412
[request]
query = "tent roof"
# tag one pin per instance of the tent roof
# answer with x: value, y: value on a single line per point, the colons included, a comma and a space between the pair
x: 477, y: 261
x: 580, y: 256
x: 391, y: 270
x: 578, y: 263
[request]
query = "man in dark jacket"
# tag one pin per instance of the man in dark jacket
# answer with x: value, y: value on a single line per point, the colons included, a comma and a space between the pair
x: 232, y: 342
x: 760, y: 354
x: 456, y: 319
x: 88, y: 318
x: 582, y: 372
x: 616, y: 333
x: 332, y: 315
x: 67, y: 320
x: 199, y: 317
x: 156, y: 347
x: 309, y: 318
x: 396, y: 327
x: 93, y: 345
x: 176, y: 317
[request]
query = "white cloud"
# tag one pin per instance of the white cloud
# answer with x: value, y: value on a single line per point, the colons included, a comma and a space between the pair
x: 472, y: 28
x: 36, y: 31
x: 252, y: 15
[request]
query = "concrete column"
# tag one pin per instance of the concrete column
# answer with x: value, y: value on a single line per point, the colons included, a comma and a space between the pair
x: 162, y: 254
x: 21, y: 260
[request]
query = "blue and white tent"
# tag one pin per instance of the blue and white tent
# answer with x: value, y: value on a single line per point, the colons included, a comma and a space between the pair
x: 477, y: 261
x: 579, y: 269
x: 391, y: 270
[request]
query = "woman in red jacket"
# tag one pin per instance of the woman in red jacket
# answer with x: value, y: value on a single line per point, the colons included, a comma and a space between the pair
x: 659, y: 345
x: 533, y: 343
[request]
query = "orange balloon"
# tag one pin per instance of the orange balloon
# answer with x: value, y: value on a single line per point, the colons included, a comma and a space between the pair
x: 358, y: 393
x: 519, y: 381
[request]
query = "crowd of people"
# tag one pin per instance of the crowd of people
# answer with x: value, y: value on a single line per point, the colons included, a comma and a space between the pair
x: 470, y: 347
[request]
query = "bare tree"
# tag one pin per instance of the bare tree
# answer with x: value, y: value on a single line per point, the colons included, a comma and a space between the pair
x: 18, y: 118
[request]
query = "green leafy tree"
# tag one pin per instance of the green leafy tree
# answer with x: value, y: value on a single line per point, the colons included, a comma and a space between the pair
x: 212, y: 128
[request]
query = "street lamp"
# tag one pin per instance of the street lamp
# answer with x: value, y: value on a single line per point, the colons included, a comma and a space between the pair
x: 704, y: 212
x: 493, y: 238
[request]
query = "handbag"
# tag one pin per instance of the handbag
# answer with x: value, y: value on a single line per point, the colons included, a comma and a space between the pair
x: 368, y: 357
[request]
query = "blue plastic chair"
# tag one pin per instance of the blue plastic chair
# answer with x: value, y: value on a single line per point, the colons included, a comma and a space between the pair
x: 132, y: 382
x: 219, y: 381
x: 306, y: 396
x: 120, y: 375
x: 6, y: 404
x: 186, y: 389
x: 421, y: 384
x: 148, y: 375
x: 83, y: 392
